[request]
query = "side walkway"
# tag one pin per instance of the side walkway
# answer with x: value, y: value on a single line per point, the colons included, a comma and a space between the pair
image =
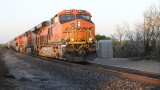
x: 146, y: 65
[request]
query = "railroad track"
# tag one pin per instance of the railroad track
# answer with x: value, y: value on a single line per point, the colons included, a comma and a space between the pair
x: 134, y: 75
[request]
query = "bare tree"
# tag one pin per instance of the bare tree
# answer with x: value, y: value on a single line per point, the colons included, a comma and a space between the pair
x: 148, y: 31
x: 130, y: 35
x: 151, y: 28
x: 121, y: 31
x: 144, y: 40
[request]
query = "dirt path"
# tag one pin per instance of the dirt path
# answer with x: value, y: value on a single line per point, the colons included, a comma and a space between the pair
x: 4, y: 85
x: 145, y: 65
x: 1, y: 72
x: 25, y: 76
x: 1, y: 75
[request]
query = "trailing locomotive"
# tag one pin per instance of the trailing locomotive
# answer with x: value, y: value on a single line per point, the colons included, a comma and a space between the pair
x: 68, y: 35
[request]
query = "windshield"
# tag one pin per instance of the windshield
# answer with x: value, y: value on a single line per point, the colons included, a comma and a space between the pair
x: 84, y: 17
x: 66, y: 17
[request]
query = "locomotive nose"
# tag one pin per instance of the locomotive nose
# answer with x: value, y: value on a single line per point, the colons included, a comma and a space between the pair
x: 84, y: 31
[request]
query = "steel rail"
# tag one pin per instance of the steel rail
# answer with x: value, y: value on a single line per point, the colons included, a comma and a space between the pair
x: 127, y: 70
x: 136, y: 75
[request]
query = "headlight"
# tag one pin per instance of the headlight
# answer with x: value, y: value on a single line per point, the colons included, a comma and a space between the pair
x: 90, y: 39
x: 81, y: 11
x: 79, y: 23
x: 72, y: 39
x: 67, y: 11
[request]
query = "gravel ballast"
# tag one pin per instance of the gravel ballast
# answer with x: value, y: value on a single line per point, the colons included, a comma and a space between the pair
x: 36, y: 74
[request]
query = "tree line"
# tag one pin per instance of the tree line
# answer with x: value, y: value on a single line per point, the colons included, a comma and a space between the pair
x: 143, y: 41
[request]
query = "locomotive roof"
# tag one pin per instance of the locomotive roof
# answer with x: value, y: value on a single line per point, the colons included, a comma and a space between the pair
x: 73, y: 11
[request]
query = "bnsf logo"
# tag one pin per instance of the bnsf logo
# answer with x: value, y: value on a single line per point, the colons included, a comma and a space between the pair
x: 79, y: 28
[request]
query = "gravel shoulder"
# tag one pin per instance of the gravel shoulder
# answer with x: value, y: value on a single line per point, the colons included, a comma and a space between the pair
x: 146, y: 65
x: 25, y: 76
x: 1, y: 75
x: 30, y: 73
x: 4, y: 85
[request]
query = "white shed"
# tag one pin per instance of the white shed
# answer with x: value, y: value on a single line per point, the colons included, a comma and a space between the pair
x: 105, y: 49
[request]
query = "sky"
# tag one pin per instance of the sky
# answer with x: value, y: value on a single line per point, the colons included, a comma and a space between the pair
x: 18, y: 16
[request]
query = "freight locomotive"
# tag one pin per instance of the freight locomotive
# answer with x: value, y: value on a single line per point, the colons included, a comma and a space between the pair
x: 69, y: 35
